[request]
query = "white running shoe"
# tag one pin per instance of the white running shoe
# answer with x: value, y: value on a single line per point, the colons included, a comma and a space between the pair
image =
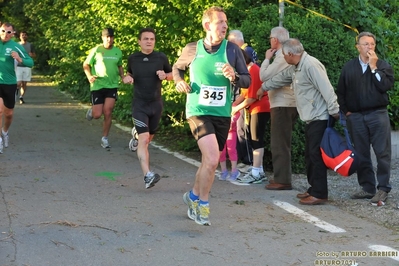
x: 104, y: 143
x: 244, y: 168
x: 134, y: 142
x: 134, y: 133
x: 5, y: 138
x: 249, y: 178
x: 1, y: 145
x: 89, y: 114
x: 151, y: 179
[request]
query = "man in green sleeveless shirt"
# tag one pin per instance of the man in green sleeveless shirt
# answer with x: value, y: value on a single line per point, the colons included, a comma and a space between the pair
x: 215, y: 66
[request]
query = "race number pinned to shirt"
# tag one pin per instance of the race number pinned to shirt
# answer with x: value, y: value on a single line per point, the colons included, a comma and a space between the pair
x: 212, y: 95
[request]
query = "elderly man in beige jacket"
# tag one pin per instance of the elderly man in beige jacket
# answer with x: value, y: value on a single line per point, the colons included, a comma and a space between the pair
x: 283, y: 112
x: 316, y: 100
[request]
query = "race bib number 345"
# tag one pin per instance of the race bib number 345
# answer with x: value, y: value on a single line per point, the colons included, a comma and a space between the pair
x: 213, y: 95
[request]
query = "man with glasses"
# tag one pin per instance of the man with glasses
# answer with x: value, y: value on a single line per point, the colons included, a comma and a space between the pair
x: 362, y: 96
x: 103, y: 67
x: 11, y: 51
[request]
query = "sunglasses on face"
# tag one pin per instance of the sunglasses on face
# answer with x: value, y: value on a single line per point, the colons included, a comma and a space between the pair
x: 7, y: 31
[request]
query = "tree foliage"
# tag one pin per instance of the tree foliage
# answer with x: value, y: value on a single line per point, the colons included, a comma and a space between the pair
x: 64, y: 31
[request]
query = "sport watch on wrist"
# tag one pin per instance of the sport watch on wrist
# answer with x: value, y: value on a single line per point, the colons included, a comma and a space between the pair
x: 237, y: 77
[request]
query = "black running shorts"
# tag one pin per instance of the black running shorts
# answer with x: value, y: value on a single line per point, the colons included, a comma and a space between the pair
x: 206, y: 124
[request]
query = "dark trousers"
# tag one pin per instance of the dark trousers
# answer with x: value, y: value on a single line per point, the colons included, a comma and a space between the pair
x: 244, y: 148
x: 315, y: 168
x: 282, y: 123
x: 373, y: 129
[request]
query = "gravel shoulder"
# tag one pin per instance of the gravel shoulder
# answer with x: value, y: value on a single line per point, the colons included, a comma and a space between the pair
x: 340, y: 189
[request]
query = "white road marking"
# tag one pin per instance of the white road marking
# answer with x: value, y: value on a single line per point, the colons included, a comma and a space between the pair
x: 284, y: 205
x: 239, y: 184
x: 177, y: 155
x: 308, y: 218
x: 190, y: 161
x: 380, y: 248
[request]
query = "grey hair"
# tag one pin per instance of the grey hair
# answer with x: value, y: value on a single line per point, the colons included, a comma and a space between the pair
x: 280, y: 33
x: 237, y: 35
x: 365, y: 33
x: 293, y: 46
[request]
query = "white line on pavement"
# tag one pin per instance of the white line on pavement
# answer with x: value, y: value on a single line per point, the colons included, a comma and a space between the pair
x: 384, y: 251
x: 286, y: 206
x: 190, y: 161
x: 308, y: 218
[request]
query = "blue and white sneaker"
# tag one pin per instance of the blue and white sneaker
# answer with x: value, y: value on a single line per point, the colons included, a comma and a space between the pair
x: 192, y: 206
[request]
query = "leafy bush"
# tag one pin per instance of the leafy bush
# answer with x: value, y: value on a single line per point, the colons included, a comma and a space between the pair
x: 64, y: 31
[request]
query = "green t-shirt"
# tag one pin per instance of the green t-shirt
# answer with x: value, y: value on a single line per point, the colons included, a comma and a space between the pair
x: 7, y: 63
x: 104, y: 64
x: 210, y: 90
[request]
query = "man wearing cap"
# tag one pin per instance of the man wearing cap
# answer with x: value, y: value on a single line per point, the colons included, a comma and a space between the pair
x: 103, y: 67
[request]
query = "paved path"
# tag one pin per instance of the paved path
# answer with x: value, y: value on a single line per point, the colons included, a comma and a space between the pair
x: 64, y: 200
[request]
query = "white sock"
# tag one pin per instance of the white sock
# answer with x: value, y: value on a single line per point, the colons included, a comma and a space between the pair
x: 149, y: 173
x: 255, y: 171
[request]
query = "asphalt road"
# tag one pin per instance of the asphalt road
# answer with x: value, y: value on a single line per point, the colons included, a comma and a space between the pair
x: 64, y: 200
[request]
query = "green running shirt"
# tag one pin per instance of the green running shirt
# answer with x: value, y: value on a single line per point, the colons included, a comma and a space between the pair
x: 7, y: 63
x: 104, y: 64
x: 210, y: 90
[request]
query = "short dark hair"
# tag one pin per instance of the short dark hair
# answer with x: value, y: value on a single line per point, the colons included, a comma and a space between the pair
x: 146, y: 30
x: 6, y: 24
x: 108, y: 32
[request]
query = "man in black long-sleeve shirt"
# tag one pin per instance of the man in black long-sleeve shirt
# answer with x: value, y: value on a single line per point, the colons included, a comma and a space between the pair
x: 362, y: 96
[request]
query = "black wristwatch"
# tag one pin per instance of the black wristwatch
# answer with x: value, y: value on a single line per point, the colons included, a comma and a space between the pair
x: 237, y: 77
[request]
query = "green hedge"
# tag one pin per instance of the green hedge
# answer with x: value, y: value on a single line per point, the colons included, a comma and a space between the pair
x: 64, y: 31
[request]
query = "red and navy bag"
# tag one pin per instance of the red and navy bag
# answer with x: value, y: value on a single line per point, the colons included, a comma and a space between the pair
x: 337, y: 151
